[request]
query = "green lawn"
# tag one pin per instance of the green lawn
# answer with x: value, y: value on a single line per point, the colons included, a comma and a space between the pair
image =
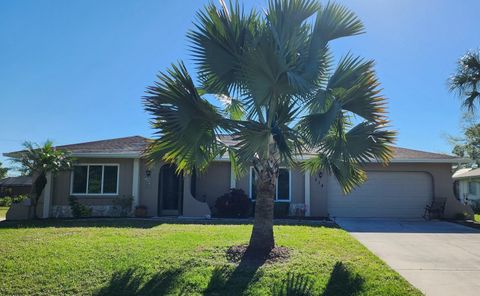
x: 133, y: 257
x: 3, y: 212
x: 477, y: 217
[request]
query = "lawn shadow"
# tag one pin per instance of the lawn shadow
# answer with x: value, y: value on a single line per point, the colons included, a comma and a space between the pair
x: 294, y: 285
x: 343, y: 282
x: 148, y: 223
x: 224, y: 281
x: 131, y: 282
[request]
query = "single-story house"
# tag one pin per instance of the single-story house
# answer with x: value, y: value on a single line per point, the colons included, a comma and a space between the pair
x: 110, y: 169
x: 468, y: 185
x: 14, y: 186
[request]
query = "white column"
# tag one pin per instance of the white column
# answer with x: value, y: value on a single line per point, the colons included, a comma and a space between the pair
x: 136, y: 182
x: 307, y: 192
x: 233, y: 180
x: 47, y: 196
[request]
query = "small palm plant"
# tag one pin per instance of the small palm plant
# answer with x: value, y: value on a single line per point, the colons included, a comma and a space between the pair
x: 37, y: 161
x: 466, y: 81
x: 282, y: 100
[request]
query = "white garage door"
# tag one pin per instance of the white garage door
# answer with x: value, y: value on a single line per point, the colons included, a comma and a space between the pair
x: 385, y: 194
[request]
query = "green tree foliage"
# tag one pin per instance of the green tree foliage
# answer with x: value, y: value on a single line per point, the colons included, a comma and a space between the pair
x: 37, y: 161
x: 467, y: 78
x: 3, y: 171
x: 469, y: 144
x: 282, y: 96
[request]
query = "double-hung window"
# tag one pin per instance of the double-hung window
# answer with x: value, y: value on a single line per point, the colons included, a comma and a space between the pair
x: 95, y: 179
x: 282, y: 186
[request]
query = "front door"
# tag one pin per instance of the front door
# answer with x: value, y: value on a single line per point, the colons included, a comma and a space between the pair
x: 170, y: 189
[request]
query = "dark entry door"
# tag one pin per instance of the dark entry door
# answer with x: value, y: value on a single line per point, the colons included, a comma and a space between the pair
x: 170, y: 191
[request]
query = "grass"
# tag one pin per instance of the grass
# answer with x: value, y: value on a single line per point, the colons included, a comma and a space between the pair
x: 134, y: 257
x: 3, y: 212
x: 477, y: 217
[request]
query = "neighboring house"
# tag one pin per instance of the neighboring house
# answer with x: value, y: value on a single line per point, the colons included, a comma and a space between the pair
x: 468, y: 185
x: 109, y: 169
x: 14, y: 186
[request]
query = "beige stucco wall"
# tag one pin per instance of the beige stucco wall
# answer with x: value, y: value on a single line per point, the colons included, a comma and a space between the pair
x: 149, y: 187
x: 61, y: 183
x: 216, y: 181
x: 210, y: 185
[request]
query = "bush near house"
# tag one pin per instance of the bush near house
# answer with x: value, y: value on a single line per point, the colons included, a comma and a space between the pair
x: 78, y: 210
x: 7, y: 201
x: 233, y: 204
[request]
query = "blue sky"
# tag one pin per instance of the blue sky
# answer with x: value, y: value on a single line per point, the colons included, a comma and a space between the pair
x: 74, y: 71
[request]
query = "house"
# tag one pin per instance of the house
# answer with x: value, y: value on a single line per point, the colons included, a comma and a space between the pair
x: 13, y: 186
x: 467, y: 182
x: 110, y: 169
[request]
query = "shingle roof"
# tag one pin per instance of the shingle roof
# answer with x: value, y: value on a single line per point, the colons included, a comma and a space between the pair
x: 135, y: 145
x: 466, y: 173
x: 119, y: 145
x: 16, y: 181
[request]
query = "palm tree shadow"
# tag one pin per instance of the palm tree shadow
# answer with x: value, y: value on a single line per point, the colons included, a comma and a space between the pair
x: 294, y: 285
x: 131, y: 282
x: 224, y: 281
x: 343, y: 282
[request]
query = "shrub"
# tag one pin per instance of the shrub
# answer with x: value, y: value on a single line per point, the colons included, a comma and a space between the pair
x: 9, y: 200
x: 234, y: 204
x: 125, y: 203
x: 78, y: 210
x: 475, y: 204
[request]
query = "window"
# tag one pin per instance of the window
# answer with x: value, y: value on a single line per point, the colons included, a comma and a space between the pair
x: 95, y: 179
x: 472, y: 188
x: 282, y: 190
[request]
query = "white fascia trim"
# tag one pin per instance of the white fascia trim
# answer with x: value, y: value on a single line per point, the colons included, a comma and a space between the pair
x: 398, y: 160
x: 107, y: 155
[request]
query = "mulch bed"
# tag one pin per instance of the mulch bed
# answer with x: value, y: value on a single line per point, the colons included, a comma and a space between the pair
x: 236, y: 254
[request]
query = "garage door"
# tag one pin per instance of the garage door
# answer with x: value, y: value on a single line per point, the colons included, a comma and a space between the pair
x: 385, y: 194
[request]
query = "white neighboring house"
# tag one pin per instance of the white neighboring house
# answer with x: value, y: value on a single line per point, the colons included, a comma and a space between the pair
x: 468, y: 180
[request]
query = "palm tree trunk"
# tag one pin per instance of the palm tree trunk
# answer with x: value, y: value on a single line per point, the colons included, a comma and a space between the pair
x: 262, y: 240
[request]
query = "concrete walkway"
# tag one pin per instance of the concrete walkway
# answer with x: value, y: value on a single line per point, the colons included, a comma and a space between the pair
x: 439, y: 258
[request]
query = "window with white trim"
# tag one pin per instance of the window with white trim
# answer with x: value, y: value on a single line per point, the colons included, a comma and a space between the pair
x: 282, y: 186
x: 95, y: 179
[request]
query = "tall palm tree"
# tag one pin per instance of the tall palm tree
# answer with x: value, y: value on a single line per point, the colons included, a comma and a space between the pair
x: 281, y: 97
x: 37, y: 161
x: 466, y: 81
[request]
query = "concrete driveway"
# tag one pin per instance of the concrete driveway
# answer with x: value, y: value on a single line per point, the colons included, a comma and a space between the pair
x: 439, y: 258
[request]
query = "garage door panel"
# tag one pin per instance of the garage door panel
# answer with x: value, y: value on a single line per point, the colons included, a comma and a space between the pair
x: 385, y: 194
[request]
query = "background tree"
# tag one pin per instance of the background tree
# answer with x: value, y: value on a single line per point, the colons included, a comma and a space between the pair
x: 467, y: 78
x: 281, y: 97
x: 3, y: 171
x: 468, y: 145
x: 37, y: 161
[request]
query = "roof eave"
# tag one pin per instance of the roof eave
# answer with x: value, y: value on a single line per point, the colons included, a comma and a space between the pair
x: 106, y: 154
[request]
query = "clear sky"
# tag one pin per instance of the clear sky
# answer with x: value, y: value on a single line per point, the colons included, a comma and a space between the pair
x: 75, y: 71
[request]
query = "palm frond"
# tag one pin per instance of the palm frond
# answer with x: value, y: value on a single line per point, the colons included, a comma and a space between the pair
x: 218, y: 43
x: 186, y: 124
x: 356, y: 86
x: 335, y: 21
